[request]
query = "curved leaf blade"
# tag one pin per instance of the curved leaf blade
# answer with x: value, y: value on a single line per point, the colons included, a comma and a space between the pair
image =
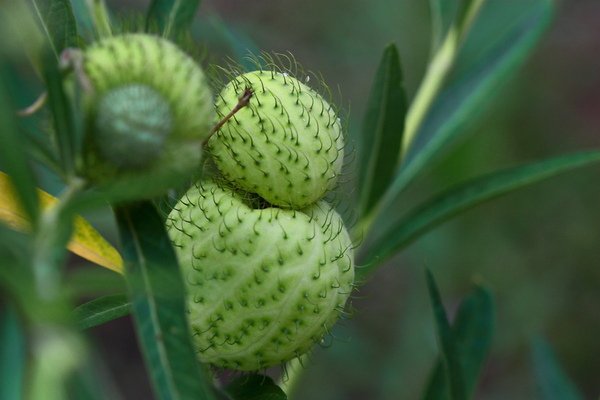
x: 449, y: 348
x: 13, y: 360
x: 382, y: 130
x: 14, y: 158
x: 463, y: 196
x: 101, y: 310
x: 254, y: 387
x: 171, y: 17
x: 472, y: 329
x: 158, y: 305
x: 58, y: 23
x: 86, y: 242
x: 464, y: 96
x: 552, y: 381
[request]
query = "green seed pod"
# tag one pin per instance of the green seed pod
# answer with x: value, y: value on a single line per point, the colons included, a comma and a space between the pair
x: 148, y: 113
x: 264, y: 284
x: 286, y: 145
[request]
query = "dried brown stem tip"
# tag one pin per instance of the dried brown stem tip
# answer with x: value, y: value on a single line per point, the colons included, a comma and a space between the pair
x: 242, y: 102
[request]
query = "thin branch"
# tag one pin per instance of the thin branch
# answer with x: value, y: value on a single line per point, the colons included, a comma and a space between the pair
x: 34, y: 107
x: 243, y: 101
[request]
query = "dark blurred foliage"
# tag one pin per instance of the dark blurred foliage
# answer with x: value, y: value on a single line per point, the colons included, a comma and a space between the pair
x: 537, y: 250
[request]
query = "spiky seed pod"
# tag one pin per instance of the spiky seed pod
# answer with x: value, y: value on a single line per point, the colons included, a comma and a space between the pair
x: 264, y: 284
x: 148, y: 112
x: 286, y: 145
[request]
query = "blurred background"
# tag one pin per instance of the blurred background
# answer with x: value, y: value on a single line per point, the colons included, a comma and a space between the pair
x: 536, y: 250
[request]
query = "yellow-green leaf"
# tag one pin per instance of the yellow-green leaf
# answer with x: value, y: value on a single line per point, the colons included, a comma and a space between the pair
x: 86, y: 242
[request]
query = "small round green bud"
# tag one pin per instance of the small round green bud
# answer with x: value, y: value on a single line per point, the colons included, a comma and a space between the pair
x: 263, y: 284
x: 286, y: 145
x: 147, y: 116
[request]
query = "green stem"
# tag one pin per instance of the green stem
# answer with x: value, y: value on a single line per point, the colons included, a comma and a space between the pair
x: 50, y: 239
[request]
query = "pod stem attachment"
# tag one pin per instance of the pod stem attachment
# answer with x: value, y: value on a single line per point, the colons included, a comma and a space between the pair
x: 242, y: 102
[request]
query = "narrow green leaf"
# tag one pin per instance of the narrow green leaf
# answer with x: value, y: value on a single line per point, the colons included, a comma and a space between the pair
x: 13, y: 157
x: 158, y: 304
x: 552, y: 382
x: 442, y: 15
x: 254, y: 387
x: 12, y: 348
x: 449, y: 347
x: 58, y: 23
x: 65, y: 128
x: 101, y: 310
x: 465, y: 195
x: 171, y: 17
x: 465, y: 95
x: 382, y: 130
x: 472, y: 330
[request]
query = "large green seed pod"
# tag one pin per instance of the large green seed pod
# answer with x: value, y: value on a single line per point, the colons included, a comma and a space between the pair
x: 264, y: 284
x: 148, y: 113
x: 286, y: 145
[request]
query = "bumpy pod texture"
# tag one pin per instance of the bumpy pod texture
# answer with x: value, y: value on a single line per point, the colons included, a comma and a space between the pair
x: 264, y: 284
x: 286, y: 145
x: 149, y: 111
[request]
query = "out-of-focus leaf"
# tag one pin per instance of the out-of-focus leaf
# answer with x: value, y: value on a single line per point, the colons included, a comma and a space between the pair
x: 13, y: 157
x: 171, y: 17
x: 86, y: 242
x: 553, y: 383
x: 464, y: 196
x: 242, y: 46
x: 472, y: 331
x: 157, y: 294
x: 466, y: 93
x: 62, y: 116
x: 382, y: 130
x: 102, y: 310
x: 254, y: 387
x: 442, y: 15
x: 12, y: 361
x: 449, y: 347
x: 58, y: 23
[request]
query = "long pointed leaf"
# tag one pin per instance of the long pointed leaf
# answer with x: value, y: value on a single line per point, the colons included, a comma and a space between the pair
x: 101, y: 310
x: 171, y: 17
x: 14, y: 158
x: 382, y: 130
x: 466, y: 195
x: 58, y: 23
x: 64, y: 123
x: 472, y: 330
x: 158, y: 304
x: 463, y: 97
x: 552, y: 381
x: 86, y: 242
x: 12, y: 348
x: 449, y: 348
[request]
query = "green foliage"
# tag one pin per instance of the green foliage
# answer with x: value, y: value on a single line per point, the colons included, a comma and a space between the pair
x: 463, y: 196
x: 102, y: 310
x: 552, y: 382
x: 12, y: 348
x: 12, y: 153
x: 171, y: 17
x: 58, y: 23
x: 471, y: 334
x: 476, y: 46
x: 382, y: 130
x: 157, y: 297
x: 254, y: 387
